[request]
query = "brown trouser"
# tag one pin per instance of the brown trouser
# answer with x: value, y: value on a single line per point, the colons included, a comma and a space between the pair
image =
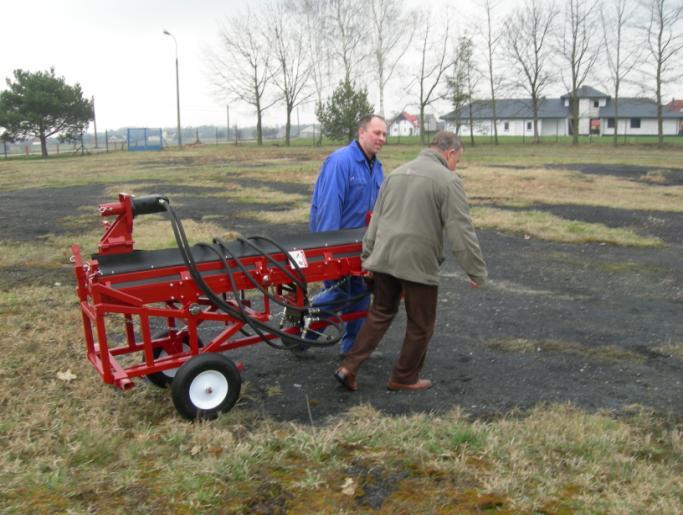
x: 420, y: 304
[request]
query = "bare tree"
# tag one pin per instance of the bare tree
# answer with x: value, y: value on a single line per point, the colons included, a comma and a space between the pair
x: 288, y: 44
x: 621, y: 57
x: 391, y: 35
x: 242, y: 66
x: 348, y: 35
x: 664, y: 42
x: 432, y: 67
x: 493, y: 39
x: 527, y: 30
x: 579, y: 51
x: 315, y: 16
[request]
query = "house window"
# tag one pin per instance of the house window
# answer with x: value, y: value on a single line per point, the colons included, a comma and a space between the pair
x: 610, y: 123
x: 506, y: 126
x: 635, y: 123
x: 596, y: 103
x: 528, y: 126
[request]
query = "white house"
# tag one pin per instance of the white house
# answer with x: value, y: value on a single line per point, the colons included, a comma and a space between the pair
x: 404, y: 124
x: 514, y: 117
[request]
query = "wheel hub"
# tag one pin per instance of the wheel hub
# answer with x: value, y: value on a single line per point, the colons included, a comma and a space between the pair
x: 208, y: 390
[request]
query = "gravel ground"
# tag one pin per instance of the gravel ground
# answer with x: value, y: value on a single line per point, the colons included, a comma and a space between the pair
x: 584, y: 324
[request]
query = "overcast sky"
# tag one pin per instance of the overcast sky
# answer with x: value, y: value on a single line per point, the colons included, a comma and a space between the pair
x: 116, y: 50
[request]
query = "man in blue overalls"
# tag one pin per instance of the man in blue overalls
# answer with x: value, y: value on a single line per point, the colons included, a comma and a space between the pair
x: 344, y: 194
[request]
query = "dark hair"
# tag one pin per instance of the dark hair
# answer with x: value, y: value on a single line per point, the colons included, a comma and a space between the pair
x: 446, y: 140
x: 365, y: 120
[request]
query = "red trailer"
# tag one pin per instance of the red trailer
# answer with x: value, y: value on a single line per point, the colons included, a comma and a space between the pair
x: 233, y: 289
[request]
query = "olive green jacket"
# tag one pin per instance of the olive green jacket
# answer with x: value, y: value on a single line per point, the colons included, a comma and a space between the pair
x: 418, y: 203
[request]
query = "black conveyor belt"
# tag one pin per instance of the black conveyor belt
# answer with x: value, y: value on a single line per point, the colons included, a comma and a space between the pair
x: 139, y: 260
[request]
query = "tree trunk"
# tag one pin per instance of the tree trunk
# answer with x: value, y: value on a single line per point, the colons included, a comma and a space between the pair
x: 381, y: 92
x: 259, y: 129
x: 575, y: 118
x: 534, y: 102
x: 422, y: 124
x: 288, y: 125
x: 616, y: 116
x: 660, y: 121
x: 471, y: 120
x: 43, y: 146
x: 495, y: 125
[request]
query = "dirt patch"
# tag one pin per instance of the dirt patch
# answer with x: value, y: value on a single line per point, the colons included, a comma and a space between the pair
x: 589, y: 296
x: 646, y: 174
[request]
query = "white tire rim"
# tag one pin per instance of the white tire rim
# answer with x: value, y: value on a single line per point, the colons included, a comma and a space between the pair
x: 208, y: 389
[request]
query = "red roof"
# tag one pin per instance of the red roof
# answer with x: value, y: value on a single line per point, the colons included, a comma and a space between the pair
x: 408, y: 117
x: 675, y: 105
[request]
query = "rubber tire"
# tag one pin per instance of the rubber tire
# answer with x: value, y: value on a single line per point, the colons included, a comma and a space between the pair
x: 212, y: 363
x: 162, y: 379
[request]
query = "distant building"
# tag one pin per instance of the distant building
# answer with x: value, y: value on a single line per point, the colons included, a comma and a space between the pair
x: 514, y: 117
x: 404, y: 124
x: 677, y: 107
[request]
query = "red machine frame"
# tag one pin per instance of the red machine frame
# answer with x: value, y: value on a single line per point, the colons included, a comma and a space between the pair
x: 137, y: 297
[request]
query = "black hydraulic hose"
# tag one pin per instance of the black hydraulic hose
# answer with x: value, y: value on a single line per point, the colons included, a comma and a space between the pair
x: 184, y: 248
x: 301, y: 283
x: 341, y: 302
x: 183, y: 245
x: 331, y: 318
x: 240, y: 314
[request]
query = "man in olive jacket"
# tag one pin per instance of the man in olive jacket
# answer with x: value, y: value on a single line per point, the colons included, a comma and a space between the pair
x: 403, y: 248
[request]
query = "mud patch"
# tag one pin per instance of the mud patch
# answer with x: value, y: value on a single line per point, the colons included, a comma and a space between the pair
x: 649, y: 174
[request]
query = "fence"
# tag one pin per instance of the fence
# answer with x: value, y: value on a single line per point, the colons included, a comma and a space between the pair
x: 32, y: 149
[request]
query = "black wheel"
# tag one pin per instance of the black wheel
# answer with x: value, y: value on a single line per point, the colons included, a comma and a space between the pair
x: 205, y: 386
x: 180, y: 344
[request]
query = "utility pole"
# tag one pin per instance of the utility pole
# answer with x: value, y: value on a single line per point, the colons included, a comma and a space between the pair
x: 177, y: 86
x: 227, y: 125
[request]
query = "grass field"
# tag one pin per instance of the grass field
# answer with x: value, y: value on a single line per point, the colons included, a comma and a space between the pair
x: 70, y: 444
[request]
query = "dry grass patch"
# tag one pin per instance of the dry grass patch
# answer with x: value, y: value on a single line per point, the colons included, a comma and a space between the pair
x: 657, y: 176
x: 549, y: 227
x: 137, y: 189
x: 240, y: 194
x: 298, y: 214
x: 156, y: 233
x: 568, y: 187
x: 603, y: 352
x: 152, y: 233
x: 561, y: 458
x: 672, y: 349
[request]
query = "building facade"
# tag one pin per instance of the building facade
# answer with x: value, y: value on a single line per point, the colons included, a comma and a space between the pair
x: 597, y: 116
